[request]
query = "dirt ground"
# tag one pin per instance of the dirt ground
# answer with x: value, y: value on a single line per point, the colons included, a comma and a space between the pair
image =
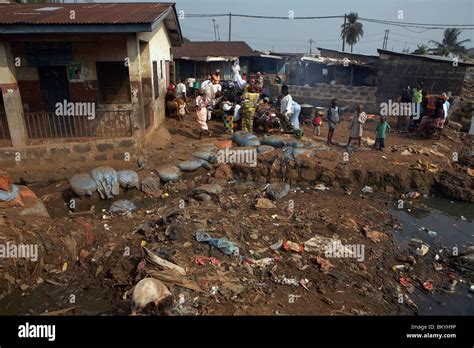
x: 88, y: 264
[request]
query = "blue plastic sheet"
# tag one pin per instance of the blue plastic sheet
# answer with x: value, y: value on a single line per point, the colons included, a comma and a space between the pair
x: 223, y: 244
x: 107, y: 181
x: 274, y: 140
x: 241, y: 138
x: 192, y: 165
x: 7, y: 196
x: 122, y: 206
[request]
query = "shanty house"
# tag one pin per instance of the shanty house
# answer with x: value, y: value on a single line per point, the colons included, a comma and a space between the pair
x: 200, y: 58
x: 84, y: 73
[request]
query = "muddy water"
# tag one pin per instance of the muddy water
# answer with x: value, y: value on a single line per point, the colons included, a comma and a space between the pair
x: 453, y: 223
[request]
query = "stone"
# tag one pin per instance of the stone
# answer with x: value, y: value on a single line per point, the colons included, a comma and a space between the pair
x: 264, y: 203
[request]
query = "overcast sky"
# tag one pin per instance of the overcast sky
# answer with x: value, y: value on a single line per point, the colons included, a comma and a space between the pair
x: 293, y: 35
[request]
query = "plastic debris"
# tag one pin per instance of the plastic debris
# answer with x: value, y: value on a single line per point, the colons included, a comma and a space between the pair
x: 192, y: 165
x: 324, y: 264
x: 150, y: 257
x: 151, y: 186
x: 214, y: 290
x: 82, y: 185
x: 274, y: 141
x: 432, y: 233
x: 292, y: 246
x: 282, y: 279
x: 405, y: 281
x: 168, y: 173
x: 128, y: 179
x: 321, y: 187
x: 223, y: 244
x: 107, y: 181
x: 277, y: 245
x: 206, y: 260
x: 412, y: 195
x: 367, y: 189
x: 471, y: 288
x: 267, y: 261
x: 428, y: 286
x: 122, y: 206
x: 422, y: 250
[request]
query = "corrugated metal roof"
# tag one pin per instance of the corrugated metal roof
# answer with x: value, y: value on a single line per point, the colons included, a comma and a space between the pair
x: 428, y: 57
x: 226, y: 49
x: 103, y: 13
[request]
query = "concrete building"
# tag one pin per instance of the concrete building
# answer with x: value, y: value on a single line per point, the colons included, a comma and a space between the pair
x: 112, y: 58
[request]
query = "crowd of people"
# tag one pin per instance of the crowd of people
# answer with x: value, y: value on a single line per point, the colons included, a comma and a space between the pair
x: 246, y: 100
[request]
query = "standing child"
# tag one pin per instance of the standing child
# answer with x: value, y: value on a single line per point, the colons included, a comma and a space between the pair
x: 381, y: 132
x: 202, y: 102
x: 317, y: 123
x: 181, y: 108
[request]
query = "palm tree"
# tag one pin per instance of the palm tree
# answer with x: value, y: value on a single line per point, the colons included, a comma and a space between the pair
x: 421, y: 50
x: 352, y: 31
x: 450, y: 44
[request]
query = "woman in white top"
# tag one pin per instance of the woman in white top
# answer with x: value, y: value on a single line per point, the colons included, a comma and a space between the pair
x: 236, y: 78
x: 357, y: 125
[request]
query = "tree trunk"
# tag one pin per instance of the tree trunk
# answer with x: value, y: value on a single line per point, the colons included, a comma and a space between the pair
x: 352, y: 46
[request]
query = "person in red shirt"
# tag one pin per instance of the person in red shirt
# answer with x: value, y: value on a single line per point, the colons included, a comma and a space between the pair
x: 317, y: 123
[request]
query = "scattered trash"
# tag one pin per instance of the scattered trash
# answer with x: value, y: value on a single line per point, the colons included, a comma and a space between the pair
x: 165, y: 195
x: 432, y: 233
x: 82, y: 185
x: 292, y: 246
x: 158, y: 261
x: 235, y: 288
x: 168, y: 173
x: 12, y: 197
x: 214, y: 290
x: 147, y: 291
x: 437, y: 266
x: 304, y: 283
x: 320, y: 244
x: 206, y: 260
x: 405, y: 153
x: 463, y: 218
x: 264, y: 203
x: 128, y: 179
x: 405, y: 281
x: 282, y: 279
x: 367, y: 189
x: 277, y: 190
x: 412, y: 195
x: 223, y: 244
x: 400, y: 268
x: 106, y: 180
x: 321, y: 187
x: 277, y: 245
x: 267, y: 261
x: 428, y: 286
x: 374, y: 236
x: 122, y: 206
x: 324, y: 264
x: 471, y: 288
x: 422, y: 250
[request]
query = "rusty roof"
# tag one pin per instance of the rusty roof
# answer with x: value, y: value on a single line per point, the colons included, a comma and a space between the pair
x: 103, y: 13
x: 199, y: 49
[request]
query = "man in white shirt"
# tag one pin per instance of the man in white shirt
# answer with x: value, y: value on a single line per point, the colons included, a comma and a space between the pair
x: 190, y: 82
x: 286, y: 103
x: 181, y: 90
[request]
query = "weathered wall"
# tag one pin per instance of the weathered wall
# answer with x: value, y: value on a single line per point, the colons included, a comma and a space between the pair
x: 159, y: 49
x: 395, y: 72
x: 86, y: 89
x: 59, y: 161
x: 322, y: 94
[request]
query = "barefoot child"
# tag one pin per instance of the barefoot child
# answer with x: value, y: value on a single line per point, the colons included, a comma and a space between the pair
x: 382, y: 128
x: 317, y: 123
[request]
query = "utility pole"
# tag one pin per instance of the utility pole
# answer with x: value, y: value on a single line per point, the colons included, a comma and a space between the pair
x: 230, y: 26
x: 344, y: 33
x: 215, y: 31
x: 311, y: 41
x: 218, y: 34
x: 385, y: 40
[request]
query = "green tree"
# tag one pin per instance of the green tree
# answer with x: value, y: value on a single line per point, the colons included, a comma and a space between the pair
x: 421, y: 50
x: 352, y: 31
x: 450, y: 44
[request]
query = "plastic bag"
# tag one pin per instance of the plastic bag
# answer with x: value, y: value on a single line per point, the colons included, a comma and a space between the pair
x: 192, y: 165
x: 223, y: 244
x: 292, y: 153
x: 7, y: 196
x: 128, y: 179
x: 265, y: 148
x: 107, y: 181
x: 206, y: 153
x: 252, y: 142
x: 274, y: 140
x: 122, y: 206
x: 242, y: 137
x: 82, y: 185
x: 277, y: 190
x: 168, y: 173
x: 295, y: 144
x: 211, y: 189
